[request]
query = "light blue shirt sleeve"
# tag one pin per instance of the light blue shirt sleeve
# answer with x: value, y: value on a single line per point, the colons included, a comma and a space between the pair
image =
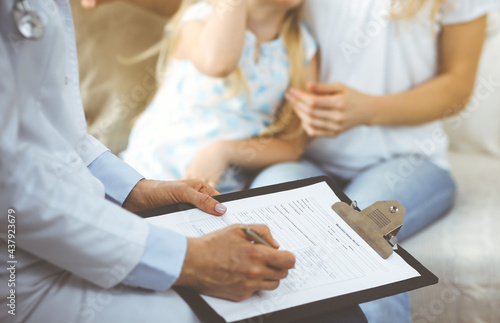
x: 165, y: 250
x: 162, y: 261
x: 118, y: 177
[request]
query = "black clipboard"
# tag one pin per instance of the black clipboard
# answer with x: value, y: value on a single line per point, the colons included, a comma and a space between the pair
x: 206, y: 314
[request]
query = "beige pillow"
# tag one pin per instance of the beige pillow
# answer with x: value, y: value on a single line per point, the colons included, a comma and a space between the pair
x: 477, y: 129
x: 113, y: 93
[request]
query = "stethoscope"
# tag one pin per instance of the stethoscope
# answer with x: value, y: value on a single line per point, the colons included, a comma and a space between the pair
x: 28, y: 21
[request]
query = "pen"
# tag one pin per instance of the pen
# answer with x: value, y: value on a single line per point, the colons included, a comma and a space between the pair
x: 253, y: 236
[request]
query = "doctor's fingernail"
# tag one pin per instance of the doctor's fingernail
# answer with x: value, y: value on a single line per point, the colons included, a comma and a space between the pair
x: 221, y: 209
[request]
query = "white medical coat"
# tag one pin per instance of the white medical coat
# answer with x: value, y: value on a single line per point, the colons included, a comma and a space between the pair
x: 63, y: 222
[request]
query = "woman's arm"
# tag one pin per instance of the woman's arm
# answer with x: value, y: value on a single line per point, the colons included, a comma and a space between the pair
x: 162, y: 7
x: 215, y: 46
x: 461, y: 46
x: 335, y: 108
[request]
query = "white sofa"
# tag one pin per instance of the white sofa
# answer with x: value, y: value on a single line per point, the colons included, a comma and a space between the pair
x: 461, y: 248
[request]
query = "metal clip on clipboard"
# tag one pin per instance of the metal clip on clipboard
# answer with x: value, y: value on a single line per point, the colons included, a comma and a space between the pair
x: 377, y: 224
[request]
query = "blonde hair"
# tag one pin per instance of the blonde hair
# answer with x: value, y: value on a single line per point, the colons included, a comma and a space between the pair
x: 291, y: 34
x: 403, y: 9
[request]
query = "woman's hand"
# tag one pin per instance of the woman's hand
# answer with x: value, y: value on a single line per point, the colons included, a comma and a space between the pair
x: 149, y: 194
x: 210, y: 163
x: 331, y: 109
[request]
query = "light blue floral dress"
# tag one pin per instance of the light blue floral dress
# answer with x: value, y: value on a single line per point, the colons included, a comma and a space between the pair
x: 187, y: 114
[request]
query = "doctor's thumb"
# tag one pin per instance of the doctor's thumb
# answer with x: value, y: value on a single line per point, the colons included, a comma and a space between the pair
x: 208, y: 204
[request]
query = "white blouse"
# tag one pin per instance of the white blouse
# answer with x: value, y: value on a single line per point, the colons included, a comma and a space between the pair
x: 362, y: 47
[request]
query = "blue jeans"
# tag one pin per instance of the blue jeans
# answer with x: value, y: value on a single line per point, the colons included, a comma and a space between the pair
x: 426, y: 191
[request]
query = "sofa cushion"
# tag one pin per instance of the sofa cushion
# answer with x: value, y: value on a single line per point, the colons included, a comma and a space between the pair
x: 477, y: 129
x: 114, y: 93
x: 462, y: 249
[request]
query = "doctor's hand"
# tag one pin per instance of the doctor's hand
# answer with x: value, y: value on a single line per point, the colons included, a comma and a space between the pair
x: 330, y: 109
x: 148, y: 194
x: 225, y: 264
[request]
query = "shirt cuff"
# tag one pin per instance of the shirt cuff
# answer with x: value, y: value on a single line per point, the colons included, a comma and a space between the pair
x: 162, y: 260
x: 118, y: 177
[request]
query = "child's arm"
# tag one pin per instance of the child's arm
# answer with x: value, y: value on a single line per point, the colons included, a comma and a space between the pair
x: 215, y: 46
x: 252, y: 154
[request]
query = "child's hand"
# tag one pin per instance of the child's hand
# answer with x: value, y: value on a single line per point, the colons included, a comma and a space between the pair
x: 210, y: 163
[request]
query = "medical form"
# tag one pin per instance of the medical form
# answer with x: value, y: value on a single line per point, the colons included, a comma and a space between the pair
x: 331, y: 258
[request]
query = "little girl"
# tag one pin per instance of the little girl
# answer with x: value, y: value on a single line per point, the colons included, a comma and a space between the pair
x: 220, y: 107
